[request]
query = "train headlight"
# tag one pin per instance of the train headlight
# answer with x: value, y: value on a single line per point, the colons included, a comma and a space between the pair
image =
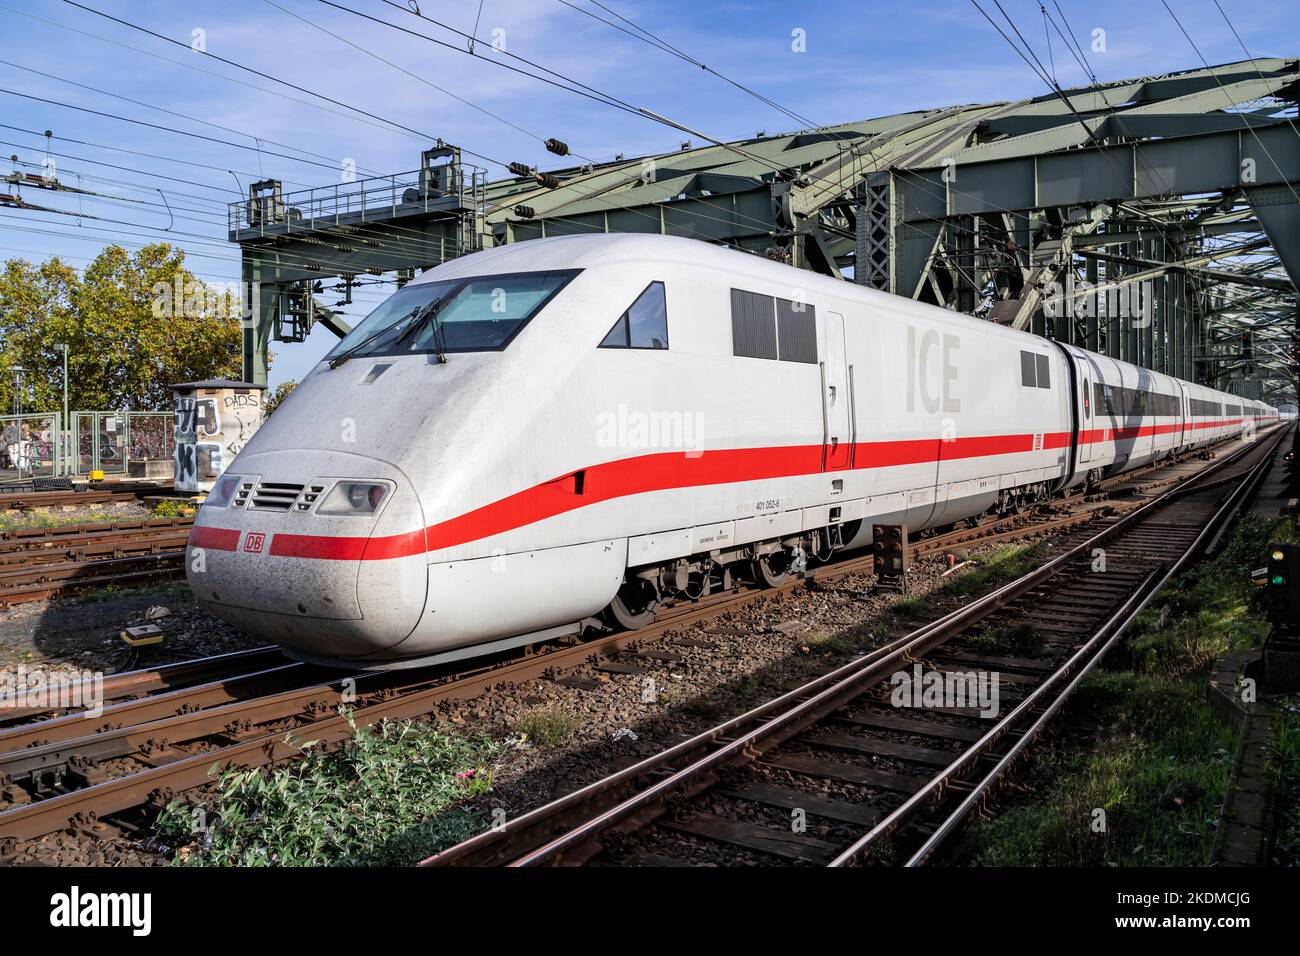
x: 222, y: 491
x: 354, y: 498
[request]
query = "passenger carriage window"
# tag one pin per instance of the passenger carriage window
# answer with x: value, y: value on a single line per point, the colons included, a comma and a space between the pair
x: 796, y: 332
x: 753, y: 325
x: 768, y: 328
x: 1028, y: 375
x: 644, y: 325
x: 1035, y: 371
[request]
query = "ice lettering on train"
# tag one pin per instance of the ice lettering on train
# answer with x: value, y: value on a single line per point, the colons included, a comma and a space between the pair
x: 921, y: 374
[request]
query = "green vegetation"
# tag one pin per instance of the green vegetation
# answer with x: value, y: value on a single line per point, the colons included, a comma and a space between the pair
x: 1160, y: 777
x: 98, y: 594
x: 1284, y: 768
x: 173, y: 508
x: 392, y: 795
x: 907, y: 606
x: 833, y: 641
x: 278, y: 395
x: 128, y: 332
x: 13, y: 520
x: 1163, y: 756
x: 547, y: 727
x: 1005, y: 564
x: 1013, y: 640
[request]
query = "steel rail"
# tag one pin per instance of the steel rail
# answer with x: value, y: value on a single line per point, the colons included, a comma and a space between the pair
x: 1086, y: 659
x: 161, y: 782
x: 826, y: 690
x: 145, y: 680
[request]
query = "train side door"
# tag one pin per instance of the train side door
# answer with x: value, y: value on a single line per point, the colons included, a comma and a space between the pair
x: 1087, y: 414
x: 1182, y: 416
x: 837, y: 414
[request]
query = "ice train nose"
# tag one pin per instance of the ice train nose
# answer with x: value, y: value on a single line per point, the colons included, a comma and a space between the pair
x: 290, y: 564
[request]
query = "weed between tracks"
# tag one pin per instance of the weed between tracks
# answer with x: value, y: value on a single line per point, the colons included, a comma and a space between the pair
x: 174, y: 508
x: 40, y: 519
x: 1285, y: 772
x: 1015, y: 640
x: 1160, y: 765
x: 1005, y: 564
x: 390, y: 796
x: 548, y: 728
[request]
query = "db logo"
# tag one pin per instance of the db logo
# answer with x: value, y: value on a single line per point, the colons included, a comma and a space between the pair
x: 253, y: 542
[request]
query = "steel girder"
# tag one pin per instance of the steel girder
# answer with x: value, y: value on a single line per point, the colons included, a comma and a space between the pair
x: 1186, y: 181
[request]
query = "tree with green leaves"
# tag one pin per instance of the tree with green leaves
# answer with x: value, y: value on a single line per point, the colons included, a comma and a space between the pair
x: 278, y: 395
x: 135, y: 322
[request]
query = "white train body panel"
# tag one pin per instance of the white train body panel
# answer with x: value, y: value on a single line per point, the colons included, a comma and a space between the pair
x: 525, y: 481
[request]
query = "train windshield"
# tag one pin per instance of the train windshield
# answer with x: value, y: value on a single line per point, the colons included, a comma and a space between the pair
x: 475, y: 314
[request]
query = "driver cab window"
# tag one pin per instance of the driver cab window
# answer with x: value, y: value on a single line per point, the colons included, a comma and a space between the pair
x: 644, y: 325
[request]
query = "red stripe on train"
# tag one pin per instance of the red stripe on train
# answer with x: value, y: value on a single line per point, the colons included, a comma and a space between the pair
x: 214, y: 539
x: 663, y: 472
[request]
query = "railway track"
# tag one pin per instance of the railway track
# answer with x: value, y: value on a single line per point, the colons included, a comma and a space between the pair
x: 99, y: 494
x: 38, y: 563
x: 833, y: 772
x: 163, y: 730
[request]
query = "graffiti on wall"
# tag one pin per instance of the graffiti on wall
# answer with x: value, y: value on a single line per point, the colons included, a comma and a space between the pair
x: 241, y: 414
x: 210, y: 432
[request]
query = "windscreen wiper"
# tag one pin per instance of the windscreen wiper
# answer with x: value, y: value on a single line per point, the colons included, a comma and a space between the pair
x: 342, y: 357
x: 428, y: 313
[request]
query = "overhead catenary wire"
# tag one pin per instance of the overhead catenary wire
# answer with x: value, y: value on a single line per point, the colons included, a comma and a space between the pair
x: 167, y: 129
x: 276, y: 79
x: 164, y: 159
x: 1251, y: 129
x: 1250, y: 56
x: 268, y: 76
x: 561, y: 80
x: 195, y: 68
x: 415, y: 76
x: 646, y: 36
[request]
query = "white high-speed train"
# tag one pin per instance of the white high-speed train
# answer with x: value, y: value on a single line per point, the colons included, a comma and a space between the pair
x: 525, y: 437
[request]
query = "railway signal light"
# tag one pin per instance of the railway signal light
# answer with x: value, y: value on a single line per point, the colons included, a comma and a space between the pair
x: 1282, y: 585
x: 891, y: 557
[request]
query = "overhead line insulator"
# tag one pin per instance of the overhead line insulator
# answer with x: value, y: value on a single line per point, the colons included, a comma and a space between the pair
x: 557, y: 147
x: 521, y: 169
x: 549, y: 180
x: 525, y: 212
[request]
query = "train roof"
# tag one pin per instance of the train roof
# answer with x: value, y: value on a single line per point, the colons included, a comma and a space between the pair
x: 611, y: 248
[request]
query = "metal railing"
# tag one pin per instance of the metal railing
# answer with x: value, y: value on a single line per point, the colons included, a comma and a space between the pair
x: 362, y: 200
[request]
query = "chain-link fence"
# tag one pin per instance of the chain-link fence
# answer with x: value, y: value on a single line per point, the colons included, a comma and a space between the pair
x: 150, y: 436
x: 29, y: 446
x: 117, y: 442
x: 33, y: 445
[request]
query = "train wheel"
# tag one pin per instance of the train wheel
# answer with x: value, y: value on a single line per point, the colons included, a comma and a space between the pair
x: 772, y: 570
x: 633, y: 606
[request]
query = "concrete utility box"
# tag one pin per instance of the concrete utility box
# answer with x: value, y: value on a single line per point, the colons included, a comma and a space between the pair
x: 214, y: 420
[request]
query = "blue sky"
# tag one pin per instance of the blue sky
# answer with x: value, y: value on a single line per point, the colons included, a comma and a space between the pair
x: 861, y: 59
